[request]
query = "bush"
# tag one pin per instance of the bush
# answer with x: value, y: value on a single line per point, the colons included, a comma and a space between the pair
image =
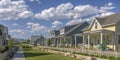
x: 26, y: 47
x: 3, y: 49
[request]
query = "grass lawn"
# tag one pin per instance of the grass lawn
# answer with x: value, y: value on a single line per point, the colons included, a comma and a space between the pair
x: 35, y: 54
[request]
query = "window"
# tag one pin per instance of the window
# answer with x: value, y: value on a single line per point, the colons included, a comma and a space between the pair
x: 118, y: 39
x: 95, y: 25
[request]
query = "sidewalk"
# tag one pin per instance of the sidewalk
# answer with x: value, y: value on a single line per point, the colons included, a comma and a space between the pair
x: 19, y: 55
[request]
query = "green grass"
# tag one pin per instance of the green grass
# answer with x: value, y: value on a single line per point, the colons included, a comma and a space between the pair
x: 34, y: 54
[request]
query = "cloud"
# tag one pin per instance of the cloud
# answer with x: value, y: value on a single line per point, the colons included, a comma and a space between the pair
x: 70, y: 12
x: 35, y: 27
x: 15, y: 24
x: 58, y: 13
x: 25, y: 14
x: 32, y: 0
x: 56, y: 24
x: 13, y: 10
x: 72, y: 22
x: 107, y: 7
x: 17, y: 31
x: 106, y: 14
x: 38, y: 1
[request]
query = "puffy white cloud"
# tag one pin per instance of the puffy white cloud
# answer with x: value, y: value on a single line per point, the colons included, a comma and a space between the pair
x: 32, y: 0
x: 107, y: 7
x: 85, y: 10
x: 72, y: 22
x: 70, y: 12
x: 60, y: 12
x: 25, y: 14
x: 36, y: 27
x: 30, y: 23
x: 56, y: 24
x: 17, y: 31
x: 67, y: 11
x: 13, y: 10
x: 105, y: 14
x: 110, y: 4
x: 38, y: 1
x: 15, y: 24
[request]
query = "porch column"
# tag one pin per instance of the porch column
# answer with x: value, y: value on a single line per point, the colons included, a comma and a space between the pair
x: 64, y: 41
x: 54, y: 41
x: 75, y: 41
x: 101, y: 37
x: 83, y: 43
x: 57, y: 42
x: 113, y: 41
x: 88, y: 41
x: 83, y: 40
x: 60, y: 41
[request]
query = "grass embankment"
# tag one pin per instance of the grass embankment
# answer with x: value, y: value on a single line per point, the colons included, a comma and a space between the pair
x: 35, y: 54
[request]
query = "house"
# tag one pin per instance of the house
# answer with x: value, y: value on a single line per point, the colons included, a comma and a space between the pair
x: 102, y: 29
x: 38, y: 40
x: 3, y: 35
x: 33, y: 39
x: 66, y: 35
x: 53, y: 37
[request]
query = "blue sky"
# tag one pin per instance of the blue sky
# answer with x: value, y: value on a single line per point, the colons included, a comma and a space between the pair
x: 25, y: 18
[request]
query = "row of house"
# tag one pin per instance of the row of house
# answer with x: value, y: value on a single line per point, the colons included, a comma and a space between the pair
x: 3, y: 35
x: 90, y: 35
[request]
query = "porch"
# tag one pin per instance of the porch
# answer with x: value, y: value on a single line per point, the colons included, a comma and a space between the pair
x: 93, y: 39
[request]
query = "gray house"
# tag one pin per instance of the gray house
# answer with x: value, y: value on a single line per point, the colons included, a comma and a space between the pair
x: 66, y: 34
x: 38, y: 40
x: 3, y: 35
x: 53, y: 37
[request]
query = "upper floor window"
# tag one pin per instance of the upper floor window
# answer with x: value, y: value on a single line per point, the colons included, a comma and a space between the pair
x: 96, y: 25
x: 62, y: 31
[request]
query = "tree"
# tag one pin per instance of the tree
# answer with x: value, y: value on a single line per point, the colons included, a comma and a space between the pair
x: 49, y: 42
x: 27, y: 41
x: 63, y: 42
x: 10, y: 42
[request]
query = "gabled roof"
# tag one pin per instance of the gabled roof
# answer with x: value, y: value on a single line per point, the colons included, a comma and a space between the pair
x: 112, y: 19
x: 75, y: 27
x: 106, y: 21
x: 69, y: 26
x: 55, y: 31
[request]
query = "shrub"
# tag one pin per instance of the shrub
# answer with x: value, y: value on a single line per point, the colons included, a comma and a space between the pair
x: 4, y: 48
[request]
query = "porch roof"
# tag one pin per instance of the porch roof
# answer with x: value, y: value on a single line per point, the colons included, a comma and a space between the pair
x: 99, y: 31
x: 78, y: 34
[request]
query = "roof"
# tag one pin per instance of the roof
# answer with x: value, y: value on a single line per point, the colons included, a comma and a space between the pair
x: 2, y: 26
x: 75, y: 27
x: 107, y: 21
x: 69, y: 26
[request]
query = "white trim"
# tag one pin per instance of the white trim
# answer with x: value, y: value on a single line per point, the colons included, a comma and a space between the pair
x: 88, y: 41
x: 95, y: 20
x: 75, y: 41
x: 101, y: 37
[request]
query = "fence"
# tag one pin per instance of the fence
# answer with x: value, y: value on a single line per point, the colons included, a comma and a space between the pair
x: 89, y: 52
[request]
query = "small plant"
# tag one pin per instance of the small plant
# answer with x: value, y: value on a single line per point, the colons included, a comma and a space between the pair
x: 104, y: 44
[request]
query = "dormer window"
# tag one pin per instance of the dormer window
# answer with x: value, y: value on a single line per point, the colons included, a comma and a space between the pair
x: 96, y: 25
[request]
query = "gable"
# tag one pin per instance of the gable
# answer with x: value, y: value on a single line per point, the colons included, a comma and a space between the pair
x: 95, y: 25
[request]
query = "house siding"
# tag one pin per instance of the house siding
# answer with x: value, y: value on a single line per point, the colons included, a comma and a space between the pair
x: 117, y: 33
x: 111, y: 28
x: 99, y: 27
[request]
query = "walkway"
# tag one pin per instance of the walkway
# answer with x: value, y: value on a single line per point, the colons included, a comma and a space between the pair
x: 19, y: 55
